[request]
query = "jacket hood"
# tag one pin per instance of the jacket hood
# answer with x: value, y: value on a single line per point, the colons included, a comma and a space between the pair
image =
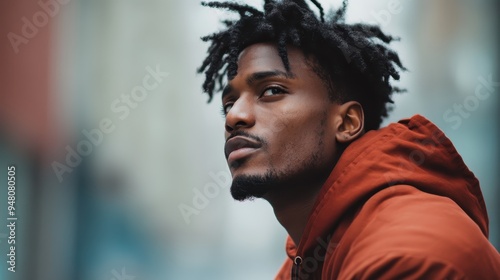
x: 411, y: 152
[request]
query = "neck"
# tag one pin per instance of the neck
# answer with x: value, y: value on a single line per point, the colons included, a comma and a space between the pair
x: 292, y: 209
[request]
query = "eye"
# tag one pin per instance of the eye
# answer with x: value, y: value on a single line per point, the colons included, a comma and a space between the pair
x: 273, y: 90
x: 225, y: 108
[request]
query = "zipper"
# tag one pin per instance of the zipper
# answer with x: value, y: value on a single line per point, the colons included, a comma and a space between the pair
x: 296, y: 267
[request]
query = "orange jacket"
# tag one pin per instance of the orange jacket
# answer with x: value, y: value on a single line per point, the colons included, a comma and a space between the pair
x: 399, y: 204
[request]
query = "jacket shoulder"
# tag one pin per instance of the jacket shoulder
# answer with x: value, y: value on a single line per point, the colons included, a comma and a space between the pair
x: 402, y: 231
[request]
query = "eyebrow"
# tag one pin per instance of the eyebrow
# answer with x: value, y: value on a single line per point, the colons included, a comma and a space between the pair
x: 257, y: 76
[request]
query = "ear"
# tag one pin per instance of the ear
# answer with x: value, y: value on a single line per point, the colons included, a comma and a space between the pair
x: 350, y: 124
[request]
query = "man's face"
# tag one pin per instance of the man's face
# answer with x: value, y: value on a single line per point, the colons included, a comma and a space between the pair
x: 279, y: 126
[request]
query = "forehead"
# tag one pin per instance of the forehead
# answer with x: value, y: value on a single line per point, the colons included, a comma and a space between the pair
x: 265, y: 57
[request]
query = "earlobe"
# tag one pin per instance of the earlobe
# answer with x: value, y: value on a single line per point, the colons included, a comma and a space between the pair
x: 351, y: 125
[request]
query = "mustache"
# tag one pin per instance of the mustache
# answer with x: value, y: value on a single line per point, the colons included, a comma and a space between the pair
x: 247, y: 135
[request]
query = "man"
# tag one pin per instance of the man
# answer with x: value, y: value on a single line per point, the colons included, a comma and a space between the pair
x: 303, y: 103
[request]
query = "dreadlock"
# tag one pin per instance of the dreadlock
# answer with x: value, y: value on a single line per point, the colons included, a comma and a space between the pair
x: 352, y: 59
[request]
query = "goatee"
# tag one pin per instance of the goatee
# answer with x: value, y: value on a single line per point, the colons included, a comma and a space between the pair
x: 248, y: 187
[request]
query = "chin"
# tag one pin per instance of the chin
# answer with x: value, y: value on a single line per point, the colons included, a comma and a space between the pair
x: 250, y: 186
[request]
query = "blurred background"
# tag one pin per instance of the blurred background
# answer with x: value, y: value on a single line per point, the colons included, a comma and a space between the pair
x: 119, y: 160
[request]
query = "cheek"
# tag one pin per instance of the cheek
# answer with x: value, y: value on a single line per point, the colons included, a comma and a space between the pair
x: 294, y: 141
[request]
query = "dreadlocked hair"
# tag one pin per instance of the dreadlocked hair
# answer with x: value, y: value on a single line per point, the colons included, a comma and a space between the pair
x: 352, y: 59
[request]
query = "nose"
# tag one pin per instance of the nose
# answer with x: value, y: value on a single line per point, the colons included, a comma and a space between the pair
x: 241, y: 115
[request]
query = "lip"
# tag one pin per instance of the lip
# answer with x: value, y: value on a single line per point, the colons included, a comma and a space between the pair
x: 239, y: 147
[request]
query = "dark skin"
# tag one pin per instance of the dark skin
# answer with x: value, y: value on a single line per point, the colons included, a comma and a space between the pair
x: 286, y: 125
